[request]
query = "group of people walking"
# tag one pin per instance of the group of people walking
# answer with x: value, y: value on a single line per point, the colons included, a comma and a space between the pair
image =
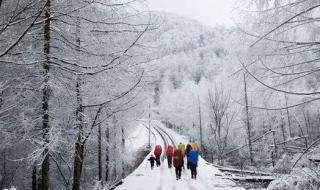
x: 176, y: 157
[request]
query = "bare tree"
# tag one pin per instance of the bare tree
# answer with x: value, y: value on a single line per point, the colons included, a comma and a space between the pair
x: 46, y: 99
x: 45, y: 38
x: 200, y: 123
x: 287, y: 62
x: 248, y: 125
x: 221, y: 116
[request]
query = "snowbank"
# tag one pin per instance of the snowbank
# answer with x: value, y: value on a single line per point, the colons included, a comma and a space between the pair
x: 299, y: 179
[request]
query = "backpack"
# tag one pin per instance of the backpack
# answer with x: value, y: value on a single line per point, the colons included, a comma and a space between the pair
x: 157, y: 150
x: 170, y: 150
x: 194, y: 146
x: 177, y: 158
x: 193, y: 157
x: 182, y: 148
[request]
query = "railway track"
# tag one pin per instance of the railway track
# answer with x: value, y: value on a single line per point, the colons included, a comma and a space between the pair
x: 165, y: 141
x: 164, y: 135
x: 171, y: 139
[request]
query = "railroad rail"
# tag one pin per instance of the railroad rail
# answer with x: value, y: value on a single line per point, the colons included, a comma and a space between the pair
x: 173, y: 142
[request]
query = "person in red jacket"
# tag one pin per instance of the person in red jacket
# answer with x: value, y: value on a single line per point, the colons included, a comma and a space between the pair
x: 178, y: 163
x: 170, y: 152
x: 157, y: 152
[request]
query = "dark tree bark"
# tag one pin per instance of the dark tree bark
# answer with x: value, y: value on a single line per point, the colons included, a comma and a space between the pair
x: 288, y: 116
x: 45, y: 167
x: 79, y: 146
x: 283, y: 130
x: 34, y: 178
x: 123, y: 174
x: 4, y: 172
x: 99, y: 153
x: 200, y: 123
x: 1, y: 99
x: 107, y: 154
x: 114, y: 139
x: 78, y: 161
x: 248, y: 119
x: 275, y: 144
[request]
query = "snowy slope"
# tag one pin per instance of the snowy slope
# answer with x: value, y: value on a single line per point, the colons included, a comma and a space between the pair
x: 163, y: 178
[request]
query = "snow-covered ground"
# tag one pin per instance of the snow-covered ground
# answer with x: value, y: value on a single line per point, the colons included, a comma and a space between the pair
x: 163, y: 178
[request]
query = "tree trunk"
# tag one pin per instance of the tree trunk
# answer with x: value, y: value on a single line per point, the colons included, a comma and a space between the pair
x: 283, y: 130
x: 45, y: 167
x: 99, y: 153
x: 4, y: 173
x: 318, y: 122
x: 39, y: 180
x: 34, y: 178
x: 311, y: 129
x: 115, y: 153
x: 248, y: 119
x: 149, y: 125
x: 123, y: 174
x: 107, y: 154
x: 1, y: 99
x: 275, y: 156
x: 288, y: 116
x: 305, y: 116
x: 200, y: 123
x: 78, y: 161
x: 79, y: 144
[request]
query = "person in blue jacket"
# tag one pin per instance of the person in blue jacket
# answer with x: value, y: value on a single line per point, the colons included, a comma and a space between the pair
x: 193, y: 160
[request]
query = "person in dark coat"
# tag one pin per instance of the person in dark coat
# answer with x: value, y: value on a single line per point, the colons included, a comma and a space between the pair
x: 193, y: 159
x: 158, y: 163
x: 178, y: 163
x: 188, y: 149
x: 152, y: 159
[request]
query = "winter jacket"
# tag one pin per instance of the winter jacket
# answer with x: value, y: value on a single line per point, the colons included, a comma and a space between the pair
x: 193, y: 157
x: 157, y: 150
x: 188, y: 149
x: 170, y: 150
x: 182, y: 148
x: 177, y: 158
x: 152, y: 159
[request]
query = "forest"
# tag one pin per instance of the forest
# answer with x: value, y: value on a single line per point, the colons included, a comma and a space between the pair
x: 78, y: 78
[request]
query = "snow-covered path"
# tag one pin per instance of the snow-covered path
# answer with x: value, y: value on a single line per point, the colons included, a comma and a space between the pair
x: 163, y: 178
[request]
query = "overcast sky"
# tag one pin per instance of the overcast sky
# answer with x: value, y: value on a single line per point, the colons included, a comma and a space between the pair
x: 208, y: 12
